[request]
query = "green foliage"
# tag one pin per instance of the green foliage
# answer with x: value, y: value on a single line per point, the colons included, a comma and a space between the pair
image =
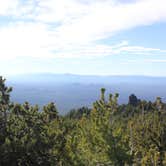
x: 93, y: 142
x: 78, y: 113
x: 148, y: 138
x: 107, y: 134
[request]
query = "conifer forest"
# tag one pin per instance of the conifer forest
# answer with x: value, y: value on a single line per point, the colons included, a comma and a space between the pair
x: 107, y: 134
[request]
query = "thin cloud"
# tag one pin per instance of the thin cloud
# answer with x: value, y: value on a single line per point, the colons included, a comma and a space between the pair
x: 70, y: 28
x: 146, y: 61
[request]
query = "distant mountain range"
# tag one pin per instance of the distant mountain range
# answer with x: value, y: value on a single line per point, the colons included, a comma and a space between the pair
x: 73, y: 91
x: 87, y: 79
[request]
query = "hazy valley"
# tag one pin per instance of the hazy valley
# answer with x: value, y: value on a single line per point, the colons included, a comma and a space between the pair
x: 76, y: 90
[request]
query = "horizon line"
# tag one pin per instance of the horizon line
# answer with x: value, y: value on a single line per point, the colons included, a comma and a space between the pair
x: 77, y: 74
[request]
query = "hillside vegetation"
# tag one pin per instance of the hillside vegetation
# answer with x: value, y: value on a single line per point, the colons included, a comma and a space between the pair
x: 108, y: 134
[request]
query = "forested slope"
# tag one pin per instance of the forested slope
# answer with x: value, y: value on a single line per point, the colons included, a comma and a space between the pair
x: 107, y: 134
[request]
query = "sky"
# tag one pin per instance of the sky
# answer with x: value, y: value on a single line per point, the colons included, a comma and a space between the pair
x: 88, y: 37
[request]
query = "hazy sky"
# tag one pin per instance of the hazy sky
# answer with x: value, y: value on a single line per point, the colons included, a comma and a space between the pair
x: 111, y: 37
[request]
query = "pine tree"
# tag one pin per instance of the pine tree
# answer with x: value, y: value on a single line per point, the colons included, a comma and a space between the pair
x: 4, y: 108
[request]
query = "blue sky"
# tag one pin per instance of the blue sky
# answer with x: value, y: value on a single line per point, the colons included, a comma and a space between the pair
x: 95, y: 37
